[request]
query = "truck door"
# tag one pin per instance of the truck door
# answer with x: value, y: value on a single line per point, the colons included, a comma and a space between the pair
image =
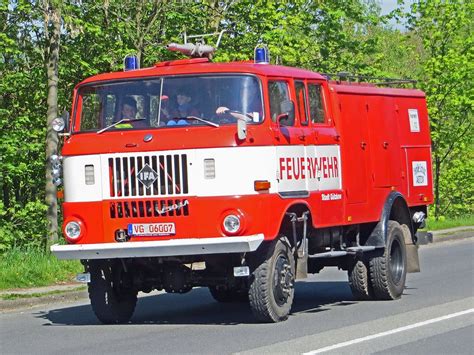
x: 325, y: 155
x: 290, y: 150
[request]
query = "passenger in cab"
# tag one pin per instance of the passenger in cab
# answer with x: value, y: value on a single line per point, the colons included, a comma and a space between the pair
x: 129, y: 112
x: 129, y: 108
x: 185, y: 108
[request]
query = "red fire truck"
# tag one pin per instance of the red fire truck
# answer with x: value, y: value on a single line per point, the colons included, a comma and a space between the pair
x: 241, y: 177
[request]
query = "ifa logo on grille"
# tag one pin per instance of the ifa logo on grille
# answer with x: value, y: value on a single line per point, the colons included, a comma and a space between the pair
x: 147, y: 176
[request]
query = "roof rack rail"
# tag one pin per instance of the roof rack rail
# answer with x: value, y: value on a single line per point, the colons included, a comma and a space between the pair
x: 357, y: 79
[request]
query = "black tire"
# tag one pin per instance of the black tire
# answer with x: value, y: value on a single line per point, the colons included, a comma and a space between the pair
x: 111, y: 303
x: 388, y: 272
x: 272, y: 283
x: 229, y: 295
x: 359, y: 281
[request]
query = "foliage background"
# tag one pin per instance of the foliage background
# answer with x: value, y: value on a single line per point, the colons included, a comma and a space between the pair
x: 435, y: 47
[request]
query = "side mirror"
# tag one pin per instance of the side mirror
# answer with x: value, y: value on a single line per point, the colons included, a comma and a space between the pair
x: 241, y: 129
x: 287, y: 116
x: 66, y: 117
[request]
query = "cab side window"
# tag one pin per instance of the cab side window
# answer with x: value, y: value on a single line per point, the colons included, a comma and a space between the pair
x: 301, y: 102
x: 316, y: 107
x: 278, y: 93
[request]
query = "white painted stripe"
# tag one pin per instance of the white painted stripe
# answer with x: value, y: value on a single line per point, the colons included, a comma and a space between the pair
x: 389, y: 332
x: 287, y: 168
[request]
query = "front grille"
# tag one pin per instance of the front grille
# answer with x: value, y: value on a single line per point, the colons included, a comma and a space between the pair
x: 149, y: 208
x: 171, y: 175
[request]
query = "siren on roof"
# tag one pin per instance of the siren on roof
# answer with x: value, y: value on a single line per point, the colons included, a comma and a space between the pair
x: 131, y: 62
x: 261, y: 54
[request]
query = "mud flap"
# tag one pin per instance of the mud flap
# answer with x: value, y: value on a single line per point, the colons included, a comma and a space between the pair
x: 301, y: 253
x: 413, y: 262
x: 302, y: 267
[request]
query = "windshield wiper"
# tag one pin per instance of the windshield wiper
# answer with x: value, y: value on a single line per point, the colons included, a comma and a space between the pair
x: 119, y: 122
x: 200, y: 120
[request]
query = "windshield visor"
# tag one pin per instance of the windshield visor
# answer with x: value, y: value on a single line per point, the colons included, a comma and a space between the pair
x: 165, y: 102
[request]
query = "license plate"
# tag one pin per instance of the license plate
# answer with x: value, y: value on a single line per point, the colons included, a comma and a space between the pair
x: 151, y: 229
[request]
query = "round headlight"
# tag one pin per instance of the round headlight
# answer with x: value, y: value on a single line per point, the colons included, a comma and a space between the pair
x: 58, y: 124
x: 73, y: 230
x: 231, y: 224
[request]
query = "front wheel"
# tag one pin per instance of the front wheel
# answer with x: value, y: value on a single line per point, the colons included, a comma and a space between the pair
x: 272, y: 283
x: 111, y: 301
x: 388, y: 272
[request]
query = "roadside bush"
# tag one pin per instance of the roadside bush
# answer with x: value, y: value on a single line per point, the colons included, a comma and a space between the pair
x: 23, y: 227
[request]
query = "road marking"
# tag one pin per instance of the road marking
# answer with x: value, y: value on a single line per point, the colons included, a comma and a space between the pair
x: 389, y: 332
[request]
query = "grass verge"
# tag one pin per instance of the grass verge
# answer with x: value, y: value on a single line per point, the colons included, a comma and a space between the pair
x: 14, y: 296
x: 442, y: 223
x: 34, y: 268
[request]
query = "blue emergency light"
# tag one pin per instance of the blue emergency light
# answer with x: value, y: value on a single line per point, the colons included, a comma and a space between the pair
x: 130, y: 63
x: 261, y: 54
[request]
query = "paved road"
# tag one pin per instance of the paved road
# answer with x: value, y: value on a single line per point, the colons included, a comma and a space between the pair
x: 435, y: 315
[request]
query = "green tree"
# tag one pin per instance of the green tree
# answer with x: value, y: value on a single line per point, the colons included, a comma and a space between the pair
x: 22, y: 128
x: 445, y: 29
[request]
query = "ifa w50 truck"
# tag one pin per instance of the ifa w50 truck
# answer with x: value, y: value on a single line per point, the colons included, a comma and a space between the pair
x: 241, y: 177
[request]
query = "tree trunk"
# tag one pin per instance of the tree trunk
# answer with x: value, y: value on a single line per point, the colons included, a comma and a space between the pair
x: 52, y: 30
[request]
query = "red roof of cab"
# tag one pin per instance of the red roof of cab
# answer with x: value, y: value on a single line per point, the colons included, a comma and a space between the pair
x: 200, y: 66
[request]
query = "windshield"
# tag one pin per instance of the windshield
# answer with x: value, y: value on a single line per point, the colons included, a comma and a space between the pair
x: 164, y: 102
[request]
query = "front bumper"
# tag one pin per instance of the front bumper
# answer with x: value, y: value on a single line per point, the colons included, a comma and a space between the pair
x: 174, y: 247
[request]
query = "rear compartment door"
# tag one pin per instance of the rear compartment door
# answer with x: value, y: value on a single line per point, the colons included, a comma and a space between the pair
x: 384, y: 143
x: 353, y: 112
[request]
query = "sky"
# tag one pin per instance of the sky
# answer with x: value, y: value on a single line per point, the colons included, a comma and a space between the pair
x: 389, y: 5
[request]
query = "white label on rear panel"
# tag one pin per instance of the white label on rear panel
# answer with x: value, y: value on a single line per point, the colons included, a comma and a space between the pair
x: 414, y: 120
x: 420, y: 173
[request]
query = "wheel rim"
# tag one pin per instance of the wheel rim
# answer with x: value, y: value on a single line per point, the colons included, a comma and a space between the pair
x: 282, y: 280
x: 396, y: 261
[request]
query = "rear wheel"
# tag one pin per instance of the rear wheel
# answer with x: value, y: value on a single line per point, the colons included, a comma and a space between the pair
x: 111, y: 301
x: 388, y: 272
x: 359, y: 281
x: 272, y: 284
